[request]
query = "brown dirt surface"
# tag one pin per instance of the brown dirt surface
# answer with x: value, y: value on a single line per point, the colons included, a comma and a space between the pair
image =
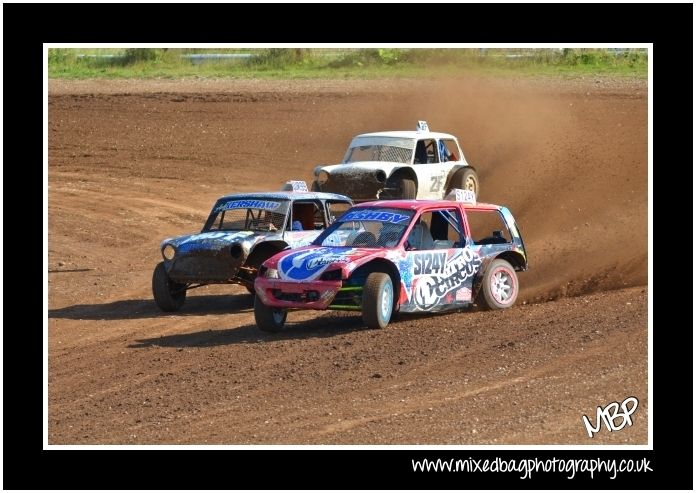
x: 133, y: 162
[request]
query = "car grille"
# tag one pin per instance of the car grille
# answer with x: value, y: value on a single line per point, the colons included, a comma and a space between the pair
x: 357, y: 185
x: 203, y: 268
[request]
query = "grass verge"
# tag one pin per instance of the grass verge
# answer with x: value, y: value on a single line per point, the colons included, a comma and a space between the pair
x: 340, y: 63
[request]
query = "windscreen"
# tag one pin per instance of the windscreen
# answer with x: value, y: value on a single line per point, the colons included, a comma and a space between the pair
x: 248, y: 214
x: 367, y: 227
x: 387, y: 149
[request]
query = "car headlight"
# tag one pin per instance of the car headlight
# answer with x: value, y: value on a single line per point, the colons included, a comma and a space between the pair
x: 322, y: 177
x: 271, y: 274
x: 168, y: 252
x: 236, y: 250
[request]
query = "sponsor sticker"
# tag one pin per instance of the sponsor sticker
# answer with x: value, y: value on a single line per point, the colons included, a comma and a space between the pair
x: 205, y: 241
x: 269, y: 205
x: 465, y: 196
x: 463, y: 294
x: 380, y: 216
x: 309, y: 264
x: 435, y: 275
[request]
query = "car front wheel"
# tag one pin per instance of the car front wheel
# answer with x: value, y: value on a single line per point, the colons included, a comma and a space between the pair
x: 401, y: 188
x: 268, y: 319
x: 377, y: 300
x: 499, y: 287
x: 169, y: 295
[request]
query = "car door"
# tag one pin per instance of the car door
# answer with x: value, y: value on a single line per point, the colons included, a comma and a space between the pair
x: 431, y: 172
x: 441, y: 265
x: 307, y: 219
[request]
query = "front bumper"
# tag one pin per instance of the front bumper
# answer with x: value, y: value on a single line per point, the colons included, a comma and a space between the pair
x: 358, y: 185
x: 315, y: 295
x: 205, y: 268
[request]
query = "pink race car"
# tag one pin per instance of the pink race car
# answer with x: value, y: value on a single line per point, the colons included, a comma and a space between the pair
x: 398, y: 255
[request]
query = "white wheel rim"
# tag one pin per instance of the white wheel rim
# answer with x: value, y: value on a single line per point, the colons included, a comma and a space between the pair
x: 502, y: 286
x: 387, y: 300
x: 470, y: 183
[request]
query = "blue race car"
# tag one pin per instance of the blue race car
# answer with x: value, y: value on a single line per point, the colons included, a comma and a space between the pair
x: 241, y: 232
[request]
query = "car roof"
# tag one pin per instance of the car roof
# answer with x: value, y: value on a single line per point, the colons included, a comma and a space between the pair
x: 286, y: 196
x: 419, y: 205
x: 408, y: 134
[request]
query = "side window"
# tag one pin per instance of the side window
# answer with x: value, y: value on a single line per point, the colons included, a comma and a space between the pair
x: 448, y: 150
x: 336, y: 209
x: 319, y: 217
x: 447, y: 229
x: 307, y: 216
x: 426, y: 152
x: 436, y: 230
x: 487, y: 227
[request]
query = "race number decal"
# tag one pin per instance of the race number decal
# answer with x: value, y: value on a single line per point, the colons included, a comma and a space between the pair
x: 436, y: 183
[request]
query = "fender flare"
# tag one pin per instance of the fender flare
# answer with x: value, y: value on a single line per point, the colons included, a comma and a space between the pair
x: 453, y: 172
x: 515, y: 259
x: 278, y: 245
x: 380, y: 264
x: 406, y: 171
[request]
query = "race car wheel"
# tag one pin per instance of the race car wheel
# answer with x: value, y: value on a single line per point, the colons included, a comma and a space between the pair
x: 466, y: 179
x: 169, y: 295
x: 499, y: 287
x: 268, y: 319
x: 377, y: 300
x: 405, y: 188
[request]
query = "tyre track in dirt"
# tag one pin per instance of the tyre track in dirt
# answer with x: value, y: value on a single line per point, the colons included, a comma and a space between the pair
x: 132, y: 163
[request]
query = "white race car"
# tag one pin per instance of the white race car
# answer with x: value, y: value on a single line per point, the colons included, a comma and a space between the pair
x: 416, y: 164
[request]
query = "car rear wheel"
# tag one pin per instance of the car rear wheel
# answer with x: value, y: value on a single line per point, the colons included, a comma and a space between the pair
x: 169, y: 295
x: 465, y: 179
x: 499, y: 287
x: 377, y: 300
x: 268, y: 319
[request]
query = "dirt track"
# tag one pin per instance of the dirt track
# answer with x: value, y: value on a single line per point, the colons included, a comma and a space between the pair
x: 133, y: 162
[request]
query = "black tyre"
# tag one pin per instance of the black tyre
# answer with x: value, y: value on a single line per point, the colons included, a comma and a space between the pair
x: 499, y: 286
x: 169, y: 295
x: 268, y: 319
x: 465, y: 179
x: 377, y: 300
x: 401, y: 188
